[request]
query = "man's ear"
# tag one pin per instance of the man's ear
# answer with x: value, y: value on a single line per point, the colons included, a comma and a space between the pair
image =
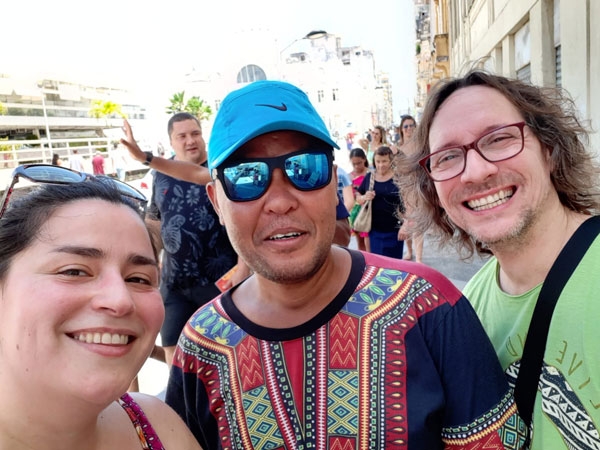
x: 548, y: 157
x: 211, y: 191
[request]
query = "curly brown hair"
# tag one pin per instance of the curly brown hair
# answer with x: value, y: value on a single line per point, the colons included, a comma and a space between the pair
x: 552, y: 117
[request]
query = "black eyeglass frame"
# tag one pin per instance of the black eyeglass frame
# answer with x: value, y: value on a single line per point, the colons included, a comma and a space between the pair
x: 277, y: 162
x: 20, y: 172
x: 424, y: 162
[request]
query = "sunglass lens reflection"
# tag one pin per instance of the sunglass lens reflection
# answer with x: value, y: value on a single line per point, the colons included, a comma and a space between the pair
x: 249, y: 181
x: 308, y: 171
x: 51, y: 174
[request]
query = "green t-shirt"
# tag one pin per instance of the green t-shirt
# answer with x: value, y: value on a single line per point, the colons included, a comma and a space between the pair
x: 567, y: 407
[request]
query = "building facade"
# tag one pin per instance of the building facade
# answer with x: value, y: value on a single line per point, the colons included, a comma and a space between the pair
x: 58, y: 109
x: 342, y: 82
x: 544, y: 42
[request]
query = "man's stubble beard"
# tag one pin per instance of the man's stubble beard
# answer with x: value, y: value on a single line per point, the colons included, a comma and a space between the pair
x: 516, y: 237
x: 290, y: 273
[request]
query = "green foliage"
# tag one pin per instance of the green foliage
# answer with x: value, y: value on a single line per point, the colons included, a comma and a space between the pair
x: 177, y: 103
x: 106, y: 109
x: 418, y: 48
x: 197, y: 107
x: 2, y: 109
x: 6, y: 147
x: 194, y: 106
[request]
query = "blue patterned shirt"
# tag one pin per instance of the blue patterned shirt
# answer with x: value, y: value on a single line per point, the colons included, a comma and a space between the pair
x: 197, y: 249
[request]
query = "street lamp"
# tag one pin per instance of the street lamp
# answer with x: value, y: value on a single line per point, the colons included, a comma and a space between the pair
x: 315, y: 34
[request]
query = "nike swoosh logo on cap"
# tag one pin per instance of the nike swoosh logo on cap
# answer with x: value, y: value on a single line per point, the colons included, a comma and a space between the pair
x: 280, y: 108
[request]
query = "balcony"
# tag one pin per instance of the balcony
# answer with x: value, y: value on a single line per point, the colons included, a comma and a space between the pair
x: 441, y: 56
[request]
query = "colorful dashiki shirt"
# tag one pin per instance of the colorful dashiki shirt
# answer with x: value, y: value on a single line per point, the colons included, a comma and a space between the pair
x: 397, y: 360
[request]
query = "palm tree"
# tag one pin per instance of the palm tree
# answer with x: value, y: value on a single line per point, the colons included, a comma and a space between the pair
x: 197, y: 107
x: 105, y: 109
x: 177, y: 103
x: 194, y: 106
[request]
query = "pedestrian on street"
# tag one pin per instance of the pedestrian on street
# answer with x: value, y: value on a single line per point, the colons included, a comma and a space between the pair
x: 379, y: 188
x: 406, y: 147
x: 197, y: 251
x: 98, y: 164
x: 505, y: 170
x: 360, y: 166
x: 76, y: 162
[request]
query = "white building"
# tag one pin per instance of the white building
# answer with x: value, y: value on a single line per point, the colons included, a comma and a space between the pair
x: 546, y: 42
x: 59, y: 109
x: 340, y: 81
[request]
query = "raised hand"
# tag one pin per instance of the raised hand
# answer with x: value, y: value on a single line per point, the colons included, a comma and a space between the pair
x: 129, y: 142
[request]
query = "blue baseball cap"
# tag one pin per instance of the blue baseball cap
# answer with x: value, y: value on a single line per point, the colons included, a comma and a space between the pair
x: 258, y: 108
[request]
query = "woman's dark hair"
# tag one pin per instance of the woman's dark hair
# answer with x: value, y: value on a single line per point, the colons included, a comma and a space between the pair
x: 383, y: 151
x: 359, y: 153
x: 55, y: 159
x: 26, y: 215
x: 552, y: 117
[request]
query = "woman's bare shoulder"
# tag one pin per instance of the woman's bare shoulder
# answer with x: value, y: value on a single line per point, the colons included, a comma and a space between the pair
x: 169, y: 427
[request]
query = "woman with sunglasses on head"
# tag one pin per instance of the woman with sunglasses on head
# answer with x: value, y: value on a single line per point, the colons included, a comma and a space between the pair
x: 386, y: 202
x: 408, y: 126
x: 79, y: 314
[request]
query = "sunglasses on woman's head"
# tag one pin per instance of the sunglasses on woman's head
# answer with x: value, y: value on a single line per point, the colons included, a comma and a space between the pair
x: 244, y: 180
x: 49, y: 174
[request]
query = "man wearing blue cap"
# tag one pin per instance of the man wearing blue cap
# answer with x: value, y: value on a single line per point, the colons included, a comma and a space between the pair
x: 323, y: 347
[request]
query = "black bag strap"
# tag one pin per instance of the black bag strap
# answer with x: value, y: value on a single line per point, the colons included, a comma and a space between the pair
x: 535, y: 344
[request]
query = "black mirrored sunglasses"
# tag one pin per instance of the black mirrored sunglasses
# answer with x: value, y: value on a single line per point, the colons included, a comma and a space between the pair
x: 244, y: 180
x: 49, y: 174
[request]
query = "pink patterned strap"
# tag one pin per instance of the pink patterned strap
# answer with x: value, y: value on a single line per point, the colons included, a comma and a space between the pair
x: 146, y: 434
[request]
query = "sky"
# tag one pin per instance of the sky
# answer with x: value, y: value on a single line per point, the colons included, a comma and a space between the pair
x: 144, y: 44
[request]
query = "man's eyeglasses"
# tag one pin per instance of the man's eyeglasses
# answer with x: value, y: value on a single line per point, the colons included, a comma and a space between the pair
x: 49, y: 174
x: 497, y: 145
x: 406, y: 126
x: 244, y: 180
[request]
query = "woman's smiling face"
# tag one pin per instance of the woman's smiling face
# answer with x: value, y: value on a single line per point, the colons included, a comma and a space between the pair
x: 82, y: 303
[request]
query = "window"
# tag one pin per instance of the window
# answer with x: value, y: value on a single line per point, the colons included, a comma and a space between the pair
x: 336, y: 95
x: 320, y: 96
x: 251, y: 73
x: 558, y: 67
x: 524, y: 73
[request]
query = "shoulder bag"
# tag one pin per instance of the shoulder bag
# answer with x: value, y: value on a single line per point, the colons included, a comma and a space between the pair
x: 526, y: 386
x: 363, y: 219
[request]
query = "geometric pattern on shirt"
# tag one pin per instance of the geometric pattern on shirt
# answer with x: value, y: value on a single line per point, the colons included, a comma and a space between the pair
x: 566, y: 411
x: 386, y: 305
x: 562, y: 406
x: 514, y: 432
x: 260, y: 419
x: 342, y: 403
x: 342, y: 443
x: 469, y: 434
x: 343, y: 341
x: 248, y: 356
x: 211, y: 360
